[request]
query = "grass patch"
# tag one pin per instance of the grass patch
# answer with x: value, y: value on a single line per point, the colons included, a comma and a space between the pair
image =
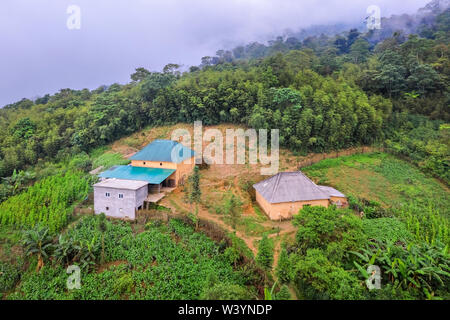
x: 108, y: 159
x: 418, y: 200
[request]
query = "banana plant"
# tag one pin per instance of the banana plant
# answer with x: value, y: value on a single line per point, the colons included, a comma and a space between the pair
x: 38, y: 242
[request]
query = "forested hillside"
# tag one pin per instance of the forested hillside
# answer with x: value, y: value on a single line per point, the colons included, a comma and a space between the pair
x: 327, y: 94
x: 386, y: 89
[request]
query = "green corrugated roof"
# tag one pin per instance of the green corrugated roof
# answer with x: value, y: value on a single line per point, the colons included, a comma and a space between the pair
x: 164, y: 151
x: 150, y: 175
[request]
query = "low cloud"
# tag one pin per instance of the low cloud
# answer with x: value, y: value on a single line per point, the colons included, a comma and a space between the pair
x: 40, y: 55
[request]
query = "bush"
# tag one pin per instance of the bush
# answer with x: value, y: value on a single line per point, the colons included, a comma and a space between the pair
x: 9, y: 276
x: 284, y: 268
x: 371, y: 209
x: 265, y: 253
x: 226, y: 291
x: 317, y: 278
x: 283, y: 294
x: 319, y: 226
x: 81, y: 162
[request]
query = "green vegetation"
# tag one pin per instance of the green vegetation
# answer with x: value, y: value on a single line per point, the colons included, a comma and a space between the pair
x: 425, y: 143
x: 265, y: 253
x: 164, y: 262
x: 387, y: 230
x: 283, y: 270
x: 232, y: 209
x: 332, y: 263
x: 394, y: 187
x: 325, y: 97
x: 38, y: 242
x: 107, y: 159
x: 404, y: 232
x: 48, y: 202
x: 324, y: 93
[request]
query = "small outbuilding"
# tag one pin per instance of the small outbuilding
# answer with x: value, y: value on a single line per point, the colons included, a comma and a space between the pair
x: 284, y: 194
x: 119, y: 198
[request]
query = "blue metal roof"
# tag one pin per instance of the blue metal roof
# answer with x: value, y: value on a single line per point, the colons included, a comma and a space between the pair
x: 164, y: 151
x: 150, y: 175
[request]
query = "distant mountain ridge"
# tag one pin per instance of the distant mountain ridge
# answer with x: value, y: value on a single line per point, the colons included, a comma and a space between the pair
x: 409, y: 24
x: 424, y: 23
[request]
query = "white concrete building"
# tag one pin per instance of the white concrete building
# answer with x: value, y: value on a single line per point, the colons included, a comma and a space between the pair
x: 119, y: 198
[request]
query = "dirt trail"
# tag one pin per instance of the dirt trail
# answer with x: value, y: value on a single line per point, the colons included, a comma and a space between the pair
x: 286, y: 227
x: 204, y: 214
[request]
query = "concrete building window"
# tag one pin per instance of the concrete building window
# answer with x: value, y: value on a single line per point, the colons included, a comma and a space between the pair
x: 160, y: 164
x: 108, y: 194
x: 107, y: 208
x: 144, y: 162
x: 120, y: 195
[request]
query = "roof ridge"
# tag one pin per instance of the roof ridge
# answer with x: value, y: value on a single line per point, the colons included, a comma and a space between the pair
x: 275, y: 187
x: 315, y: 185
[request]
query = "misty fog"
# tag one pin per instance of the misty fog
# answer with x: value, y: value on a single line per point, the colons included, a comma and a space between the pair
x: 40, y: 55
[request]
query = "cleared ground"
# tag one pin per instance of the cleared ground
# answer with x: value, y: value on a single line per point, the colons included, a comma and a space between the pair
x: 218, y: 182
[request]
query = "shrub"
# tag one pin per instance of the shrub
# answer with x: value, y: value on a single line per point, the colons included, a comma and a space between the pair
x: 265, y: 253
x: 284, y: 268
x: 317, y: 278
x: 283, y: 294
x: 9, y: 275
x: 319, y: 226
x: 226, y: 291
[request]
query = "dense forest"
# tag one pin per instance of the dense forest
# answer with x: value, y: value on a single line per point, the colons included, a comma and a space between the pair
x: 330, y: 93
x: 324, y: 93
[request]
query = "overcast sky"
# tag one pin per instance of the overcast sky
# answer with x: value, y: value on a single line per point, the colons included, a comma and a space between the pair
x: 40, y: 55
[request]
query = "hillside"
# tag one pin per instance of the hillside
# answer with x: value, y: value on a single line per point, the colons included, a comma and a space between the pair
x: 378, y: 184
x: 365, y: 113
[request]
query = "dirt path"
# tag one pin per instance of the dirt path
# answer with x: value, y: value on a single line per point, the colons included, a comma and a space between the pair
x: 286, y: 227
x: 204, y: 214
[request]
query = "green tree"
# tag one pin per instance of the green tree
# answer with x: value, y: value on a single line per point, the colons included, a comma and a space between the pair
x: 319, y: 226
x: 140, y: 74
x: 195, y: 192
x: 265, y: 253
x: 391, y: 73
x: 172, y: 69
x: 232, y: 208
x: 284, y: 267
x: 318, y: 278
x: 155, y: 82
x: 24, y: 128
x: 359, y: 51
x: 284, y: 293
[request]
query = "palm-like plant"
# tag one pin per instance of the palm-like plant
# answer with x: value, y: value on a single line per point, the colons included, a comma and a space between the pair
x: 38, y: 242
x: 87, y: 253
x: 422, y: 267
x: 65, y: 250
